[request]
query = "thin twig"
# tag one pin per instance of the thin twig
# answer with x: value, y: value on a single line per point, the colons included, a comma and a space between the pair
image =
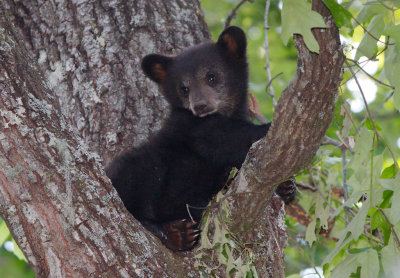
x: 255, y: 111
x: 389, y: 96
x: 345, y: 188
x: 188, y: 211
x: 269, y: 86
x: 372, y: 36
x: 344, y: 141
x: 330, y: 141
x: 269, y: 92
x: 370, y: 58
x: 365, y: 101
x: 370, y: 76
x: 232, y: 14
x: 396, y: 238
x: 305, y: 186
x: 393, y: 9
x: 371, y: 177
x: 385, y: 48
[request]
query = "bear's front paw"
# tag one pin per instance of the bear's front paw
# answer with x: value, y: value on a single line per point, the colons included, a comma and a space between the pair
x: 180, y: 235
x: 287, y: 190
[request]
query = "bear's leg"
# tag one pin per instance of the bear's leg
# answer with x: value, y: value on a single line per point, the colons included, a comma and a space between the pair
x: 287, y: 190
x: 178, y: 235
x: 181, y: 235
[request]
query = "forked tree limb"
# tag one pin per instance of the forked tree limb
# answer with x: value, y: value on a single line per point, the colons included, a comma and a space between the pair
x: 301, y: 118
x: 59, y: 206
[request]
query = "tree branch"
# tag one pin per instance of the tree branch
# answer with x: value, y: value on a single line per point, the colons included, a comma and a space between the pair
x: 54, y: 196
x: 269, y: 88
x: 233, y: 12
x: 301, y: 117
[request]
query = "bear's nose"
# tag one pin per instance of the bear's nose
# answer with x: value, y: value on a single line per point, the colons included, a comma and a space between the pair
x: 200, y: 108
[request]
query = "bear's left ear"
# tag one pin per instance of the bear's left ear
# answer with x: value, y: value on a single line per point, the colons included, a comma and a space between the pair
x: 233, y: 40
x: 155, y: 66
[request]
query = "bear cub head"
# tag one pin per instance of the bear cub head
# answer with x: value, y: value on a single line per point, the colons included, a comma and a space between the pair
x: 208, y: 78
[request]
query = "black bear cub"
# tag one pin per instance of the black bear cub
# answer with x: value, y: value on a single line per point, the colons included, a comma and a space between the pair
x: 207, y: 132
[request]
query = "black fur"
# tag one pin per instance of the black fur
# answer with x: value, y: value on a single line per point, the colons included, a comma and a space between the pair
x: 206, y: 134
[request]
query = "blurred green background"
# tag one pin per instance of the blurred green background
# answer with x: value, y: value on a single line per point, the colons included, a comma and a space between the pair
x: 12, y: 261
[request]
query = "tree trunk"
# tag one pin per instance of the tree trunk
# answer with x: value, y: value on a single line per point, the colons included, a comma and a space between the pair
x: 90, y: 53
x: 70, y: 77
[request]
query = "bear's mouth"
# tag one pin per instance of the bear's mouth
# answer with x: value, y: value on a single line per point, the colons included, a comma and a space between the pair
x: 204, y: 113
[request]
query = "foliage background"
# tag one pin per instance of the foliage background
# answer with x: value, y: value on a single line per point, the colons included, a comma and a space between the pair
x: 325, y: 175
x: 326, y: 172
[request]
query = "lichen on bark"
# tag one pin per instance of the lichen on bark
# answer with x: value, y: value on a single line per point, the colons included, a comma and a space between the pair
x: 71, y: 87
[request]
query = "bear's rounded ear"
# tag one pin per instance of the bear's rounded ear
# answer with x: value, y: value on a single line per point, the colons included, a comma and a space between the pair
x: 233, y: 40
x: 155, y: 67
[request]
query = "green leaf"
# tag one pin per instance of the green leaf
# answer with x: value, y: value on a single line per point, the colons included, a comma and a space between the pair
x: 394, y: 32
x: 298, y: 18
x: 339, y: 113
x: 250, y: 274
x: 321, y: 212
x: 341, y: 15
x: 346, y: 267
x: 391, y: 184
x: 361, y: 179
x: 358, y: 250
x: 368, y: 11
x: 394, y: 211
x: 362, y: 148
x: 391, y: 67
x: 225, y: 251
x: 356, y: 226
x: 369, y: 125
x: 389, y: 172
x: 347, y: 123
x: 343, y: 241
x: 379, y: 148
x: 390, y: 259
x: 367, y: 46
x: 396, y: 99
x: 395, y: 3
x: 386, y: 197
x: 379, y: 221
x: 204, y: 240
x: 361, y: 163
x: 369, y: 264
x: 310, y: 233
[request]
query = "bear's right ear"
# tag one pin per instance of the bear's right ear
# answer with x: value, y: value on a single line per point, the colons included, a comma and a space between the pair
x: 155, y: 66
x: 233, y: 41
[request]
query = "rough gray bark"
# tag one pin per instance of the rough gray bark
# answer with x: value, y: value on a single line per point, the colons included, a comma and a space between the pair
x: 90, y: 52
x: 89, y: 90
x: 301, y: 118
x: 59, y: 206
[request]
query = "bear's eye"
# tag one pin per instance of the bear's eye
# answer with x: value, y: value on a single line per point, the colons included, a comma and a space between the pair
x: 210, y: 78
x: 185, y: 90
